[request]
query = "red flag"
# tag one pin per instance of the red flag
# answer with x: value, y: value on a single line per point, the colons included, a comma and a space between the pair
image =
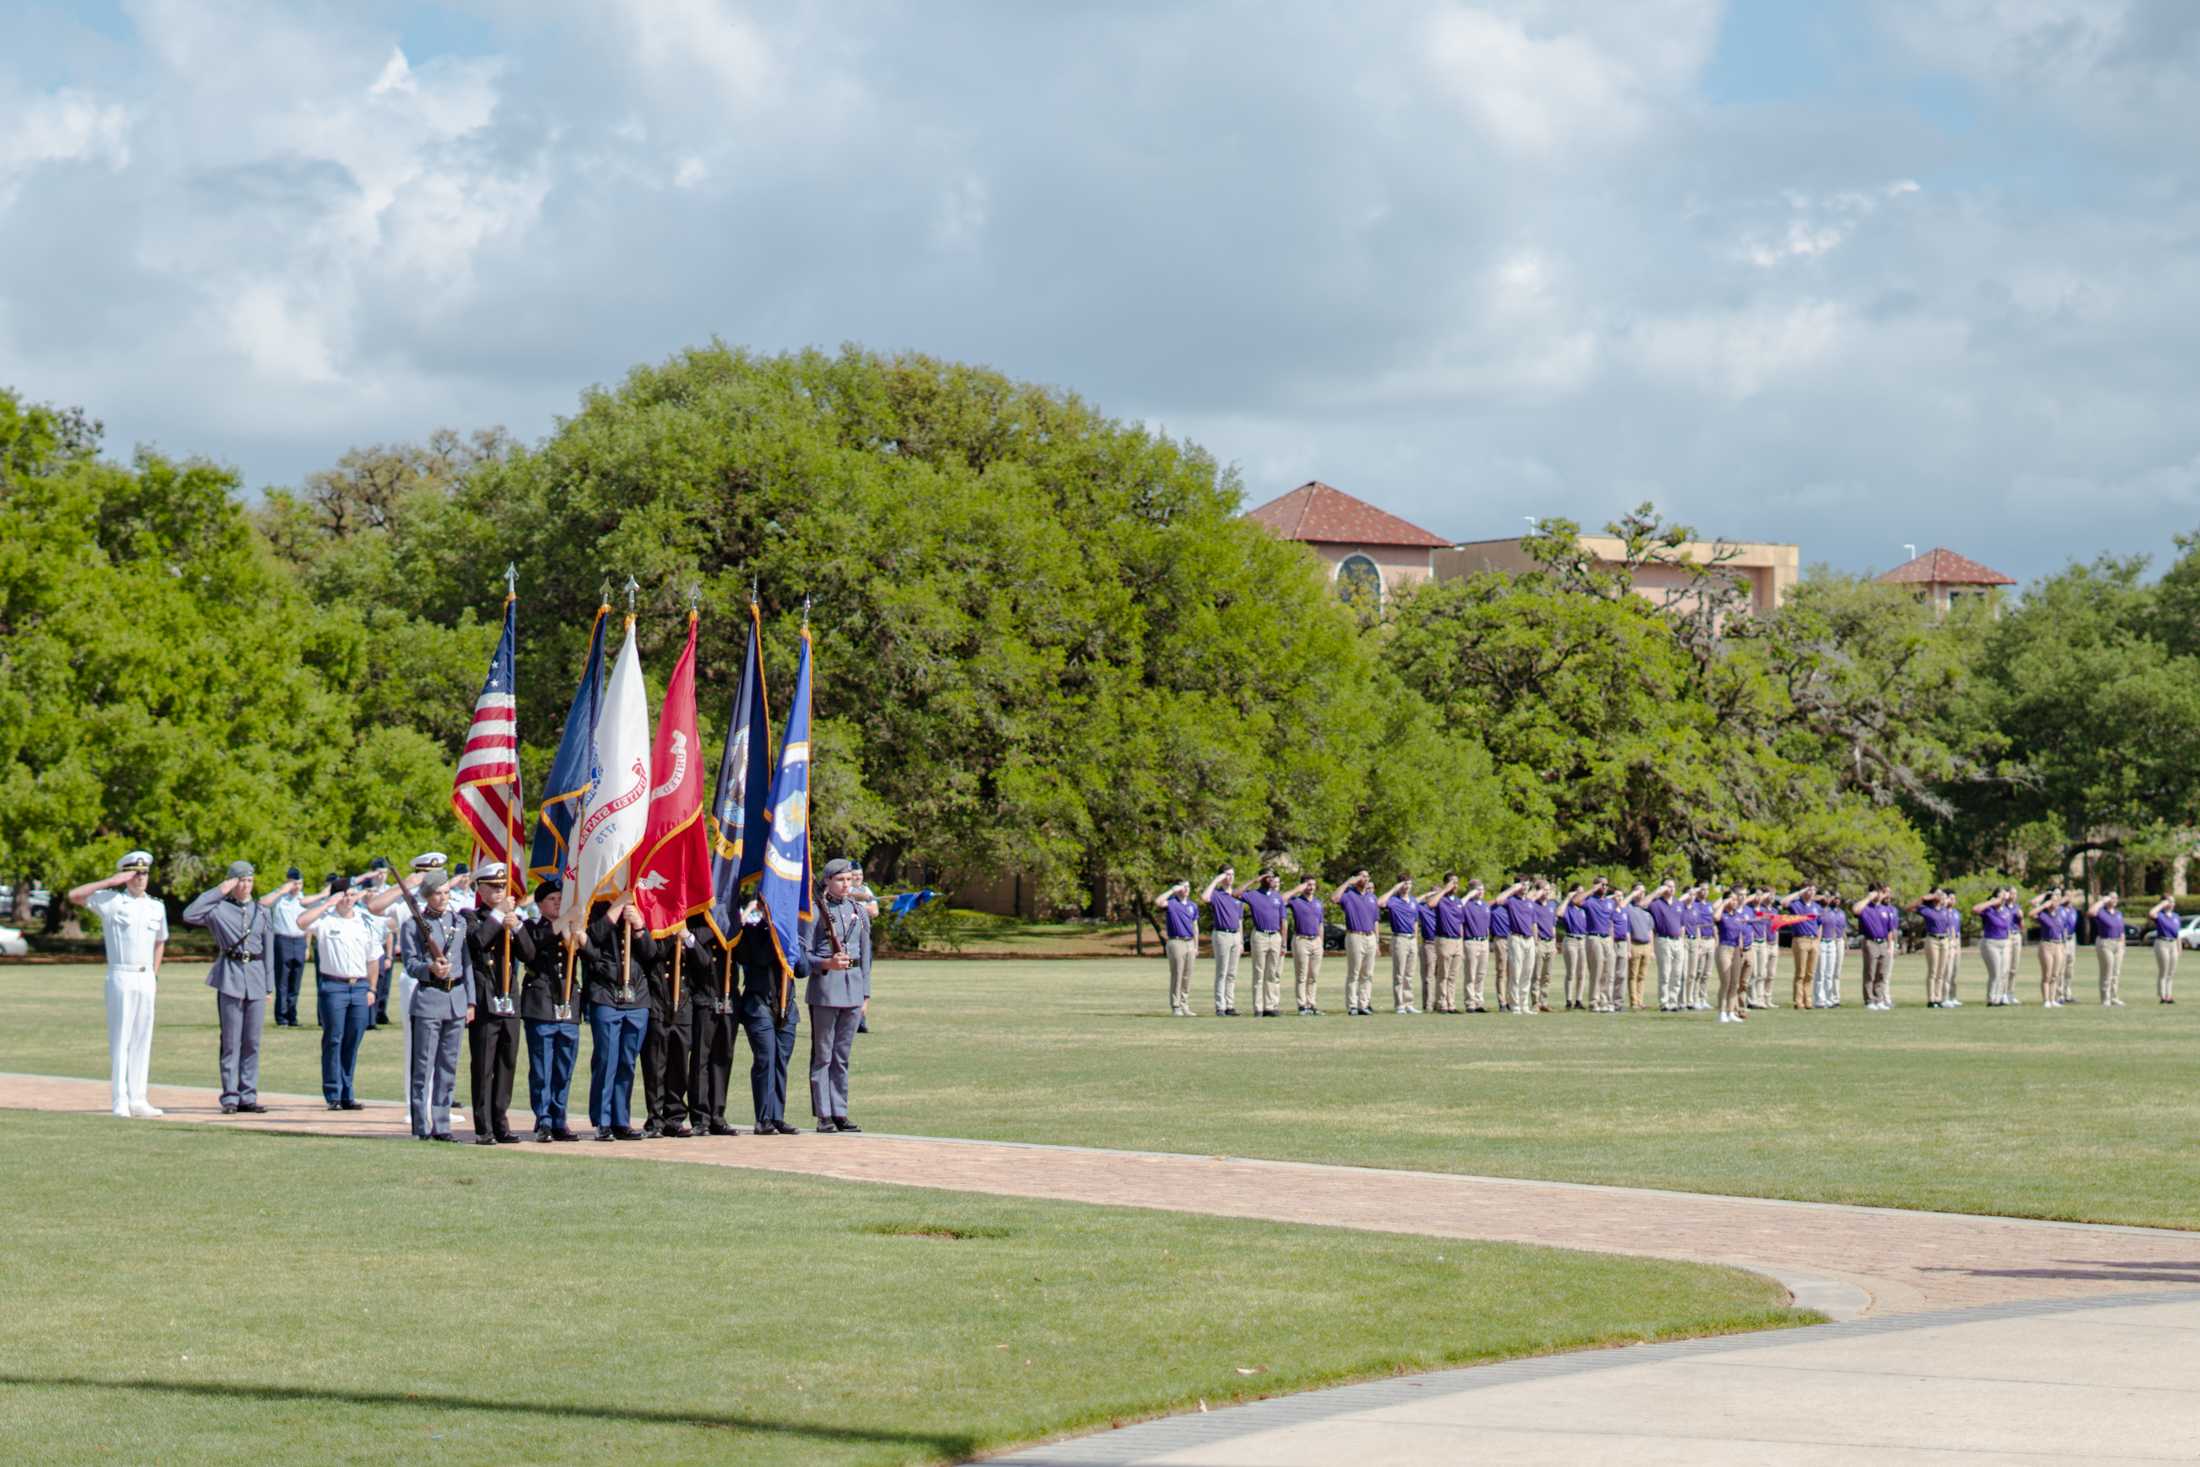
x: 672, y: 879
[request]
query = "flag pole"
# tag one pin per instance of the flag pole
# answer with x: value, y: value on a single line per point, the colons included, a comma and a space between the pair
x: 504, y: 979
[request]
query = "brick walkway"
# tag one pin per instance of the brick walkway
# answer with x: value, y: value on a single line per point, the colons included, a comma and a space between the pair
x: 1846, y: 1260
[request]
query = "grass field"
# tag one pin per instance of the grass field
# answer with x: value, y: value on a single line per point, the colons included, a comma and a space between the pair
x: 2078, y: 1113
x: 182, y: 1294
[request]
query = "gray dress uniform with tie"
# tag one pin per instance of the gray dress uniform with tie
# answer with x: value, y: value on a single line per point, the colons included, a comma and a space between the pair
x: 436, y: 1017
x: 835, y: 997
x: 241, y: 979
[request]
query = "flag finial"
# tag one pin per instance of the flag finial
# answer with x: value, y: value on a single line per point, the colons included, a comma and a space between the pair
x: 511, y: 579
x: 805, y: 613
x: 695, y: 596
x: 631, y: 587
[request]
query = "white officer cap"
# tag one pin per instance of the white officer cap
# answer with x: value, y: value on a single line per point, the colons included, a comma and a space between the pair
x: 136, y: 861
x: 430, y: 861
x: 490, y: 871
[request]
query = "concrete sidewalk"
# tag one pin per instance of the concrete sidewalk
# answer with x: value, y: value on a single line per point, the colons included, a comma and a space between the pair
x: 2103, y: 1381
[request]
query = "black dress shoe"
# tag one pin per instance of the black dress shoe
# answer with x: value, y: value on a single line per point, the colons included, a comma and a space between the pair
x: 1233, y: 1013
x: 444, y: 1136
x: 506, y: 1138
x: 603, y: 1133
x: 563, y: 1133
x: 781, y: 1128
x: 628, y: 1133
x: 847, y: 1125
x: 677, y: 1133
x: 353, y: 1105
x: 827, y: 1126
x: 652, y: 1130
x: 542, y: 1134
x: 720, y: 1128
x: 228, y: 1109
x: 485, y: 1140
x: 252, y: 1108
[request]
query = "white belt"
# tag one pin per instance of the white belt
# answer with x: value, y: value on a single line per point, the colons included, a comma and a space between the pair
x: 127, y: 968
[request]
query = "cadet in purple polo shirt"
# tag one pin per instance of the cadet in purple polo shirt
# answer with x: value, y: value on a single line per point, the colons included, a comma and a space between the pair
x: 1428, y: 953
x: 1598, y: 905
x: 1546, y: 946
x: 1943, y: 947
x: 2167, y: 938
x: 1833, y: 929
x: 1306, y: 946
x: 1180, y: 941
x: 2108, y: 947
x: 1803, y: 904
x: 1667, y: 939
x: 1520, y: 918
x: 1705, y: 931
x: 1736, y: 924
x: 1357, y: 897
x: 1264, y: 904
x: 1998, y: 917
x: 1477, y: 918
x: 1573, y: 921
x: 1228, y: 915
x: 1451, y: 931
x: 1500, y: 950
x: 1877, y: 922
x: 1405, y: 942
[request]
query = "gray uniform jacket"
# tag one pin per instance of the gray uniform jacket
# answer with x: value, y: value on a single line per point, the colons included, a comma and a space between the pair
x: 428, y: 1001
x: 845, y: 988
x: 244, y: 939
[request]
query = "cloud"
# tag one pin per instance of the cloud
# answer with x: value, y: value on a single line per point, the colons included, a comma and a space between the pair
x: 60, y: 127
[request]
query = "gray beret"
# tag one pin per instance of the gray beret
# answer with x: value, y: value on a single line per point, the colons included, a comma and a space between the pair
x: 240, y: 868
x: 836, y: 866
x: 433, y: 881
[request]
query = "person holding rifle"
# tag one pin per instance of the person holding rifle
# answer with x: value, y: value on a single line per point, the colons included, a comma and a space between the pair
x: 389, y: 902
x: 546, y: 1012
x: 431, y: 945
x: 615, y: 947
x: 838, y: 991
x: 492, y: 1035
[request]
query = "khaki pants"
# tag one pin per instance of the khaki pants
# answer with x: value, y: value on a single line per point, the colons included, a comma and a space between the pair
x: 2069, y: 963
x: 1940, y: 967
x: 1448, y: 951
x: 1602, y: 979
x: 1306, y: 968
x: 1764, y: 957
x: 1502, y: 972
x: 2111, y: 957
x: 1476, y: 952
x: 1999, y: 976
x: 1546, y: 953
x: 1638, y: 970
x: 1427, y: 959
x: 1267, y: 971
x: 1672, y: 970
x: 1577, y: 969
x: 1519, y: 959
x: 1734, y: 966
x: 1404, y: 954
x: 1181, y: 951
x: 1878, y: 965
x: 1359, y: 969
x: 1806, y: 970
x: 1226, y: 945
x: 2050, y: 981
x: 2165, y: 968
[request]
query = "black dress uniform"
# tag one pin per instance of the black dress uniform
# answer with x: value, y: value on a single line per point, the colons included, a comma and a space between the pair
x: 710, y: 1028
x: 492, y: 1040
x: 665, y: 1046
x: 772, y: 1030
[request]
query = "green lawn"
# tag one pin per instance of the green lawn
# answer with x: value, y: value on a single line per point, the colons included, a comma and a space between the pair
x: 2076, y: 1113
x: 183, y: 1294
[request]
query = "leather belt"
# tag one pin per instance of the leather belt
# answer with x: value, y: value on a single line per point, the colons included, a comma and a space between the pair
x: 442, y: 985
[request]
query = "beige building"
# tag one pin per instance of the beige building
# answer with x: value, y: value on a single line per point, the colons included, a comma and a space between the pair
x: 1943, y: 577
x: 1365, y: 548
x: 1767, y: 571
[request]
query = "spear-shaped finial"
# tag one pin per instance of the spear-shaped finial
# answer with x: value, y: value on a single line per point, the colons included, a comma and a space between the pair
x: 805, y: 613
x: 632, y: 586
x: 511, y: 579
x: 603, y: 592
x: 753, y: 597
x: 695, y: 596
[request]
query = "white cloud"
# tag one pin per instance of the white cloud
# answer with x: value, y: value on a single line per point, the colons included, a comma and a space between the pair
x: 1738, y: 353
x: 1818, y: 225
x: 63, y: 126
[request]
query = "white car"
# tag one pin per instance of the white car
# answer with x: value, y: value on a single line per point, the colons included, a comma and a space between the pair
x: 12, y: 944
x: 2191, y: 936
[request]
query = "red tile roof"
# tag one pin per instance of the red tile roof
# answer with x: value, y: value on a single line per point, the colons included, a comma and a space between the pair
x: 1945, y: 568
x: 1322, y: 515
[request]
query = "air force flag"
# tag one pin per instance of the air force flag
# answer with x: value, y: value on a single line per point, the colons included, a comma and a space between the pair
x: 785, y: 887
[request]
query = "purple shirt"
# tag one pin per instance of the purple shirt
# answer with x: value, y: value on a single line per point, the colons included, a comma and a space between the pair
x: 1181, y: 918
x: 1480, y: 918
x: 1359, y: 910
x: 1808, y: 911
x: 1665, y: 918
x: 1228, y: 910
x: 1576, y: 918
x: 1734, y: 929
x: 1451, y: 917
x: 1832, y: 922
x: 1877, y: 921
x: 1600, y: 915
x: 2165, y: 926
x: 1939, y: 920
x: 1501, y: 921
x: 1267, y: 910
x: 1306, y: 916
x: 1428, y: 920
x: 1405, y: 918
x: 1523, y: 914
x: 1997, y: 921
x: 1546, y: 920
x: 2108, y: 926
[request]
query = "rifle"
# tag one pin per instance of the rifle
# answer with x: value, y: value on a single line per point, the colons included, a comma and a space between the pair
x: 427, y: 933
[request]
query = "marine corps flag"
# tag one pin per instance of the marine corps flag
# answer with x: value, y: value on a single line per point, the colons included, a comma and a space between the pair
x: 672, y: 879
x: 740, y: 820
x: 785, y: 887
x: 573, y: 772
x: 617, y: 814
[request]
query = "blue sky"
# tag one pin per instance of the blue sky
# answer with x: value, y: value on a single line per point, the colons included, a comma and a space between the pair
x: 1848, y: 275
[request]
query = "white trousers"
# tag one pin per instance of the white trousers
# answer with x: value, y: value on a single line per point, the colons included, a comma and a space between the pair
x: 1826, y: 985
x: 129, y: 1034
x: 401, y: 1002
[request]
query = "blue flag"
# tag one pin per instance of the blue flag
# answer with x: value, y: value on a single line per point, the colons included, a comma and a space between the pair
x: 785, y: 887
x: 573, y: 773
x: 740, y: 812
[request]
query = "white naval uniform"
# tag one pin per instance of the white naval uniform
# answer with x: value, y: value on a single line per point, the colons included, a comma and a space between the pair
x: 132, y: 927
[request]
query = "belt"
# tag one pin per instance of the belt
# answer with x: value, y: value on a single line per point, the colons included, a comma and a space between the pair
x: 128, y: 968
x: 339, y: 978
x: 444, y: 985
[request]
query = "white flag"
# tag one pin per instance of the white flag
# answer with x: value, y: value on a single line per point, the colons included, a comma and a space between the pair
x: 612, y: 826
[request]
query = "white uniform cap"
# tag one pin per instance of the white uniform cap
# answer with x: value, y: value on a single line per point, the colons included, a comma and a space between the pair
x: 136, y: 861
x: 430, y: 861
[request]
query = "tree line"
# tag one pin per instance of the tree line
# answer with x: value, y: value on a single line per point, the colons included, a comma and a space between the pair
x: 1047, y: 643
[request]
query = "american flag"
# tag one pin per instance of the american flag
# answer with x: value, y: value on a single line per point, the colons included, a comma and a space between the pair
x: 486, y: 793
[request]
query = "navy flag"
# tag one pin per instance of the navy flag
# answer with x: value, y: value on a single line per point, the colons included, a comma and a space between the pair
x: 573, y: 772
x: 785, y: 886
x: 740, y: 812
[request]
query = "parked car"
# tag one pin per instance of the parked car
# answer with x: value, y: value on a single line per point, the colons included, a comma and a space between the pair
x: 2191, y: 935
x: 12, y: 944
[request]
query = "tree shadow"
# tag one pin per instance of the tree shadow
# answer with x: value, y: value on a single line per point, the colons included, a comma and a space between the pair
x: 2090, y: 1270
x: 948, y: 1445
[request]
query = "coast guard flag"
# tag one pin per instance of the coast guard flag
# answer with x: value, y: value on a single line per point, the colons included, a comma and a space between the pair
x: 672, y: 879
x: 785, y: 887
x: 740, y: 818
x: 617, y: 813
x: 573, y: 771
x: 485, y: 792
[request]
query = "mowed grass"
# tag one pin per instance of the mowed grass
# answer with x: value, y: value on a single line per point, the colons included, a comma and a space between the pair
x: 2077, y: 1113
x: 182, y: 1294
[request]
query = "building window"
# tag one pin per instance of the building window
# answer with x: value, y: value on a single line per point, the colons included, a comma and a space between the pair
x: 1359, y: 583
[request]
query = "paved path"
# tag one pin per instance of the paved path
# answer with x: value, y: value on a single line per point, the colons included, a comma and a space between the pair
x: 1845, y: 1261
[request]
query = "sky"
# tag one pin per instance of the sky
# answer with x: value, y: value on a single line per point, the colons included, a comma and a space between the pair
x: 1853, y: 276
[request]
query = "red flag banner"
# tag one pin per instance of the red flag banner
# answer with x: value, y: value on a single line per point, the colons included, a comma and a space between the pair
x: 672, y: 879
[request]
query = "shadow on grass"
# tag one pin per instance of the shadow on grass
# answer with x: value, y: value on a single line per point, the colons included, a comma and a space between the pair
x: 952, y: 1445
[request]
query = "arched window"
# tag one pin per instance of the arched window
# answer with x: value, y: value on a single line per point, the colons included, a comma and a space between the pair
x: 1359, y: 583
